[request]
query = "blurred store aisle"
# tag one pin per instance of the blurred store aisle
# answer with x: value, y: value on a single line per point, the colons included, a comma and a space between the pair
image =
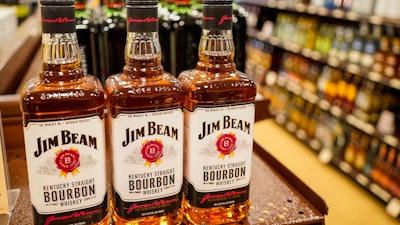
x: 348, y: 203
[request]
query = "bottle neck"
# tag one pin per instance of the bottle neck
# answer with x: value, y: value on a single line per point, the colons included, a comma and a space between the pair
x: 216, y: 47
x: 143, y: 54
x: 61, y: 57
x: 142, y: 49
x: 60, y: 50
x: 216, y: 52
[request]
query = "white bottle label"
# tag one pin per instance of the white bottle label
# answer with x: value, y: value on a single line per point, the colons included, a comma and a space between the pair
x: 218, y: 152
x: 67, y: 166
x: 147, y: 162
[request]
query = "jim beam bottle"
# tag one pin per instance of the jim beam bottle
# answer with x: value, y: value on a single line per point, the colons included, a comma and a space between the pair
x: 144, y: 103
x: 63, y: 117
x: 219, y: 118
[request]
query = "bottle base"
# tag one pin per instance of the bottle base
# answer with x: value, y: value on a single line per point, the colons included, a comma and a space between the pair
x: 216, y: 215
x: 165, y: 219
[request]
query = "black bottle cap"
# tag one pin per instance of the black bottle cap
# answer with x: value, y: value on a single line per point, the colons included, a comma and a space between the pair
x: 217, y: 14
x: 217, y: 2
x: 58, y: 16
x: 142, y: 2
x: 142, y: 15
x: 57, y: 2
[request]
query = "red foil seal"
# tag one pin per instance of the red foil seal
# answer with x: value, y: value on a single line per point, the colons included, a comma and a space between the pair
x: 68, y: 161
x: 152, y: 151
x: 226, y: 144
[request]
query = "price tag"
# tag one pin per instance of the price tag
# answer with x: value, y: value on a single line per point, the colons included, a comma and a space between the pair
x: 271, y: 4
x: 391, y: 140
x: 352, y: 16
x: 333, y: 62
x: 274, y: 41
x: 4, y: 184
x: 338, y: 13
x: 377, y: 20
x: 395, y: 83
x: 300, y: 7
x: 375, y: 77
x: 362, y: 179
x: 281, y: 5
x: 380, y: 192
x: 336, y: 111
x: 393, y: 207
x: 306, y: 52
x: 291, y: 127
x: 322, y: 11
x: 325, y: 155
x: 325, y: 105
x: 312, y: 9
x: 354, y: 69
x: 316, y: 55
x: 315, y: 144
x: 301, y: 134
x: 345, y: 167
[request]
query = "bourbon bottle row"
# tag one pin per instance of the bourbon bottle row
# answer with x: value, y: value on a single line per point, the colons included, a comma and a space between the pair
x: 180, y: 145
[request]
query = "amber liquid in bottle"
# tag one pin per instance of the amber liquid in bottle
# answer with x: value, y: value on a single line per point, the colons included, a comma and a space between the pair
x: 162, y: 93
x: 212, y: 85
x: 145, y: 91
x: 64, y: 100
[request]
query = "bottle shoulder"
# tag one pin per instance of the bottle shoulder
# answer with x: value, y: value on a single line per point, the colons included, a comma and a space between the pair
x: 86, y: 88
x: 123, y: 82
x: 85, y: 82
x: 200, y: 79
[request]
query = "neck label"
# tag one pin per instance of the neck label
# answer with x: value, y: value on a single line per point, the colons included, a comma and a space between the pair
x: 217, y: 17
x: 142, y: 19
x: 58, y: 19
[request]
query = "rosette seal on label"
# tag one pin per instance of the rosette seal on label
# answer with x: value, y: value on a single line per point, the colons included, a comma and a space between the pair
x: 152, y: 151
x: 226, y: 144
x: 67, y: 161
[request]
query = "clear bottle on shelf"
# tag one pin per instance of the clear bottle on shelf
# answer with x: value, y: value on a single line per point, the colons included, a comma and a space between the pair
x: 219, y: 117
x: 64, y: 132
x: 146, y: 121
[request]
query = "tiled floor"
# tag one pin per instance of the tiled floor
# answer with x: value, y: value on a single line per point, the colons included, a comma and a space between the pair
x: 348, y: 203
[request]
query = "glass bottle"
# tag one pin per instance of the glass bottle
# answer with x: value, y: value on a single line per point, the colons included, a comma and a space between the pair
x: 351, y: 148
x: 357, y: 44
x: 392, y: 59
x: 337, y: 42
x: 382, y: 53
x: 113, y: 37
x: 87, y: 30
x: 371, y: 46
x: 343, y: 52
x: 219, y: 117
x: 378, y: 173
x: 187, y: 35
x: 146, y: 121
x: 63, y: 117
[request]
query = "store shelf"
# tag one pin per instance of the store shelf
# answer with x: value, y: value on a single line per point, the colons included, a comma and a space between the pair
x: 323, y: 12
x: 289, y: 45
x: 326, y: 155
x: 337, y: 112
x: 318, y: 57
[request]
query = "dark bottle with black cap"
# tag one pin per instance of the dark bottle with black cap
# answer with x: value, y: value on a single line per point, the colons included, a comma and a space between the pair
x: 146, y: 121
x: 219, y: 120
x: 63, y: 117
